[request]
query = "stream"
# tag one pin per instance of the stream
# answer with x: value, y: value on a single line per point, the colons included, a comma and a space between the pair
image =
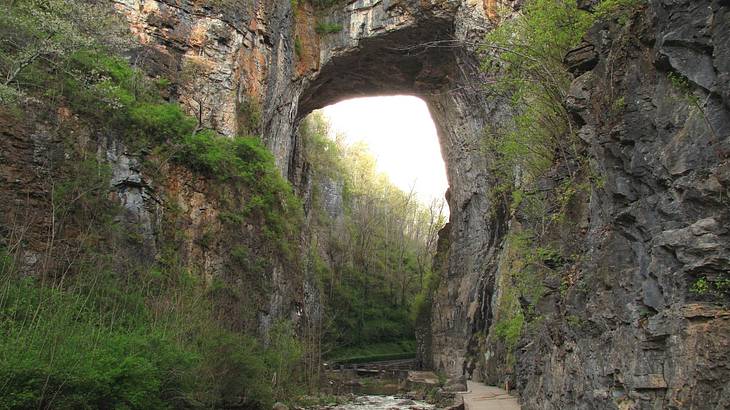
x: 383, y: 403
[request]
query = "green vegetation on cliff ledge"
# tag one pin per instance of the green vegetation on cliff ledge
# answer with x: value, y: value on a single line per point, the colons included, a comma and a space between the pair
x: 243, y: 160
x: 328, y: 28
x: 525, y: 59
x: 90, y: 318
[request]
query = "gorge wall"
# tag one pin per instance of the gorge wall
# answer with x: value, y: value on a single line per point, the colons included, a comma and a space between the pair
x: 631, y: 323
x: 634, y: 312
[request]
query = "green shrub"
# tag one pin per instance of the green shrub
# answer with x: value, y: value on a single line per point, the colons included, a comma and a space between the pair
x: 298, y: 48
x: 239, y: 374
x: 283, y: 357
x: 249, y: 116
x: 97, y: 77
x: 328, y: 28
x: 700, y: 286
x: 509, y: 330
x: 161, y: 122
x: 620, y: 9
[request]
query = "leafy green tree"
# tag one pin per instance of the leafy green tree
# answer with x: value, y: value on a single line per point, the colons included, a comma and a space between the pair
x: 524, y: 56
x: 51, y: 30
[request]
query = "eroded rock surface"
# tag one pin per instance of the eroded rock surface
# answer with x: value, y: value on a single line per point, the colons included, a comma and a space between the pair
x: 632, y: 326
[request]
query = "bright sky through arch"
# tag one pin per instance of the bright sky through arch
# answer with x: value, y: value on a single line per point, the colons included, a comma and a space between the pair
x: 401, y: 135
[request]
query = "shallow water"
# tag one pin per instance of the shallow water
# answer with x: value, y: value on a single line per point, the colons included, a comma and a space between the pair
x: 383, y: 403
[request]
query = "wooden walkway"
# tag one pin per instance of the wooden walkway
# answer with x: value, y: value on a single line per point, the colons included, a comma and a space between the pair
x: 482, y: 397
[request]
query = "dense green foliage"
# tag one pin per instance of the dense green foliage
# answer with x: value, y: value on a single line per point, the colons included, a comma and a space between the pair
x: 95, y: 325
x: 379, y: 249
x: 525, y: 54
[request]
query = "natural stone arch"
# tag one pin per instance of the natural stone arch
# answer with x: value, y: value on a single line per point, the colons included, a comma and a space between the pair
x: 423, y: 49
x: 385, y: 47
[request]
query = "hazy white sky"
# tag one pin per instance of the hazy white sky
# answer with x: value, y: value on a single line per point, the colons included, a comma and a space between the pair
x: 402, y: 137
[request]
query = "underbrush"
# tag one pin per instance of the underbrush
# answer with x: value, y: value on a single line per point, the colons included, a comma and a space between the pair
x: 106, y: 343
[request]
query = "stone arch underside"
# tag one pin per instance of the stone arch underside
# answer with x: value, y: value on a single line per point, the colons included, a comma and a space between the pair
x: 407, y: 61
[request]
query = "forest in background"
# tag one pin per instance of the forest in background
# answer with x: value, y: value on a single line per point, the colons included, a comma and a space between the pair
x: 372, y: 249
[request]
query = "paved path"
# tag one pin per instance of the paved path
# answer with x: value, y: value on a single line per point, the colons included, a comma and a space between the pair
x: 482, y: 397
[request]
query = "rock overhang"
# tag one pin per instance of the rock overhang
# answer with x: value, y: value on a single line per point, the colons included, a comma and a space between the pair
x: 386, y: 47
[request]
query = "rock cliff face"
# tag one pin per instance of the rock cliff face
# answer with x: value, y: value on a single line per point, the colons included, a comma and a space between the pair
x: 641, y: 318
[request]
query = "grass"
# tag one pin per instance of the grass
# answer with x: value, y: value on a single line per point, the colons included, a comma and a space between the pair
x: 404, y: 349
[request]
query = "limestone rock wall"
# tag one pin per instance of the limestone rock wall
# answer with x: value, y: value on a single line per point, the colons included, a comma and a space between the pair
x: 632, y: 325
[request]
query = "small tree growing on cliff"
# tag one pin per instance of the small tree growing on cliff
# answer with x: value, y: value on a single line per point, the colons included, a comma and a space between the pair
x: 525, y: 55
x: 195, y: 76
x: 51, y: 31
